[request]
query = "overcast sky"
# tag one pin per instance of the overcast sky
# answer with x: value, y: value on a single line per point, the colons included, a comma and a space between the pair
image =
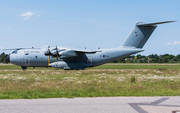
x: 87, y: 23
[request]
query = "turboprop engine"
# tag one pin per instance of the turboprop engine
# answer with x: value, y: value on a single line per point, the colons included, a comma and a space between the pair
x: 61, y: 53
x: 67, y: 54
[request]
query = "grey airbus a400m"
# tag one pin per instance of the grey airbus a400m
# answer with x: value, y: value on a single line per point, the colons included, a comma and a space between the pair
x: 80, y: 59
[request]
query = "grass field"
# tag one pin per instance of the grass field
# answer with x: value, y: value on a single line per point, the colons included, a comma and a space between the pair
x: 106, y: 80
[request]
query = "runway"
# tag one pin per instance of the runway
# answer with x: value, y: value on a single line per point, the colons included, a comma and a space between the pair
x: 92, y: 105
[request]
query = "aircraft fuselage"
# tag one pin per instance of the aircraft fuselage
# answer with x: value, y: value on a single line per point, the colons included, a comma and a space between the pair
x: 36, y: 58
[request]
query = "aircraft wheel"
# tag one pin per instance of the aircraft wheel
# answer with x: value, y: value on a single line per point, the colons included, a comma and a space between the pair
x: 23, y: 67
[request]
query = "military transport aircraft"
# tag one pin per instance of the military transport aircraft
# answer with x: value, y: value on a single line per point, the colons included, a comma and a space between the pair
x: 80, y: 59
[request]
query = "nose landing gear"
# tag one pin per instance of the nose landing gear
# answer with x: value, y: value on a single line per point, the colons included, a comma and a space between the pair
x: 8, y: 58
x: 23, y: 67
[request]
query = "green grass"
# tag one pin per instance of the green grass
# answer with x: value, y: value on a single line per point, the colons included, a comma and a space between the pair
x: 138, y: 66
x: 102, y: 81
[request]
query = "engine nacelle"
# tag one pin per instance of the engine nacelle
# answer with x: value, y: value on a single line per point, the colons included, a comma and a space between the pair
x: 47, y: 53
x: 67, y: 54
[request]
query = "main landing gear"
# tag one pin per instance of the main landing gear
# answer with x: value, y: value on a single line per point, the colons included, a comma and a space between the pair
x: 23, y: 67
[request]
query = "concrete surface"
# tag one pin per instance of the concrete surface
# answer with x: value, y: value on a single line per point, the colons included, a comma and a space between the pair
x: 92, y: 105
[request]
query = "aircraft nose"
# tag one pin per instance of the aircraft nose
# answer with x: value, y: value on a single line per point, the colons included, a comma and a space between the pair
x: 8, y: 58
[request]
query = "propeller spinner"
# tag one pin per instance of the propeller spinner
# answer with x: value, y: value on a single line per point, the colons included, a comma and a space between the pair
x: 48, y: 52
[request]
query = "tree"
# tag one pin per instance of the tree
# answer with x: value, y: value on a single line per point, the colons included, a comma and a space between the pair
x: 122, y: 60
x: 139, y: 56
x: 165, y: 59
x: 151, y: 56
x: 178, y: 58
x: 3, y: 57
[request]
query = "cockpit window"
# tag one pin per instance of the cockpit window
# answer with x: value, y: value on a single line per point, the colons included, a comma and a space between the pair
x: 14, y: 52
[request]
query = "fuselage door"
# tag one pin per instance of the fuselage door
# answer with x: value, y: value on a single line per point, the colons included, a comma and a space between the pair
x: 27, y: 62
x: 89, y: 61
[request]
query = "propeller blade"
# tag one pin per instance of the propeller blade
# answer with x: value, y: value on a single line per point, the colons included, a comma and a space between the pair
x: 57, y: 53
x: 48, y: 52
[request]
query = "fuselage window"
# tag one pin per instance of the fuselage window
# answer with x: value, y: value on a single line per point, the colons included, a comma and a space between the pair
x: 14, y: 52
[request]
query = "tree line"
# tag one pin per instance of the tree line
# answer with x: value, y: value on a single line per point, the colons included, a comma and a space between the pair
x: 153, y: 58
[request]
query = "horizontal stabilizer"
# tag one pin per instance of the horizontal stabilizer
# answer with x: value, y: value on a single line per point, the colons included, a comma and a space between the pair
x: 151, y: 24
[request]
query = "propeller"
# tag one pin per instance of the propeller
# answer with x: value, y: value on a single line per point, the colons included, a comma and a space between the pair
x: 57, y: 53
x: 48, y: 52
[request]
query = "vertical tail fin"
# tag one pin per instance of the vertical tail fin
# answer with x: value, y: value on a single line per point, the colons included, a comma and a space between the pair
x: 141, y: 33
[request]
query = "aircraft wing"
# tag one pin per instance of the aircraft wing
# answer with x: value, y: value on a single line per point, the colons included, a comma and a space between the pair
x: 82, y: 51
x: 73, y: 53
x: 19, y: 48
x: 15, y: 49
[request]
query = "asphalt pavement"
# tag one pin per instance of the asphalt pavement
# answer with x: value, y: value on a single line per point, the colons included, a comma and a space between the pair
x: 92, y: 105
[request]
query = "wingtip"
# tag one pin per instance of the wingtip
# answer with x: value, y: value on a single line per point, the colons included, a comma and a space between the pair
x: 171, y: 21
